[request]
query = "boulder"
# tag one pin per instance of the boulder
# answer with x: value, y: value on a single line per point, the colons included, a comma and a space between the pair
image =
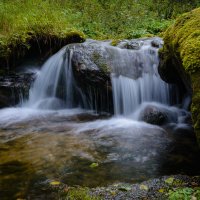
x: 180, y: 60
x: 94, y: 61
x: 157, y: 115
x: 153, y: 115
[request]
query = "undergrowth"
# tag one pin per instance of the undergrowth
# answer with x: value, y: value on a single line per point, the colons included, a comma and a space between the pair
x: 184, y: 194
x: 24, y: 22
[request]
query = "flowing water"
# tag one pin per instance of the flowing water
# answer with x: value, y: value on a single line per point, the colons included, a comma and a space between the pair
x: 54, y: 134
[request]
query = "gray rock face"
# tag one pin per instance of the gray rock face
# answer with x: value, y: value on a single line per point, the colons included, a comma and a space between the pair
x: 91, y: 64
x: 95, y: 60
x: 156, y: 43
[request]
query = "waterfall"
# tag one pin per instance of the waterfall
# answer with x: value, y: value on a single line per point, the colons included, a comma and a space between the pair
x: 54, y: 87
x: 135, y: 79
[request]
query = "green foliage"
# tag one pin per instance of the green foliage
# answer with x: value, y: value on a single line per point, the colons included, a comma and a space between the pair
x: 184, y: 38
x: 22, y: 21
x: 167, y: 9
x: 184, y: 194
x: 78, y: 194
x: 96, y: 18
x: 182, y: 44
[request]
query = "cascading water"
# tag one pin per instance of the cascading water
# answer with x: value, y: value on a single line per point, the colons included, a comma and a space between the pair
x: 54, y: 87
x: 130, y: 89
x: 134, y: 80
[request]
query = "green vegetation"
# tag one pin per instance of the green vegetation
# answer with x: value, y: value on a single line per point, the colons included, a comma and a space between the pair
x: 182, y: 50
x: 184, y: 193
x: 74, y: 193
x: 184, y: 38
x: 80, y: 194
x: 25, y: 23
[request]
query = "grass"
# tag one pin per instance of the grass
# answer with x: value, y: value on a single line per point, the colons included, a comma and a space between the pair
x: 24, y: 23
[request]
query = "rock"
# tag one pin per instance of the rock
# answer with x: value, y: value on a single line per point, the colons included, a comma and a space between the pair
x: 14, y: 87
x: 152, y: 115
x: 156, y: 43
x: 136, y: 45
x: 180, y: 60
x: 91, y: 68
x: 94, y: 61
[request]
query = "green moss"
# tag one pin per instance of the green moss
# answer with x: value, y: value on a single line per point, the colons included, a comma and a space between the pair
x: 182, y: 47
x: 16, y: 46
x: 184, y: 193
x: 100, y: 61
x: 183, y: 38
x: 78, y: 194
x: 115, y: 42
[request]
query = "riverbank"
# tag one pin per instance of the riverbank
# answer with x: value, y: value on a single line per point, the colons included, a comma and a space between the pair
x: 175, y: 187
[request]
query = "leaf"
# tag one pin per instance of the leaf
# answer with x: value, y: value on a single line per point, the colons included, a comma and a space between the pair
x: 94, y: 165
x: 54, y: 183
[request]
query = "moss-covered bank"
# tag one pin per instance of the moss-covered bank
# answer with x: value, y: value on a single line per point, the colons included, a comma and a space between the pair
x: 181, y: 59
x: 33, y: 44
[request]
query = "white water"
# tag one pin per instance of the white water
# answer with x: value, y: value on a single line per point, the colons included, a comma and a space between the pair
x: 54, y: 85
x: 135, y: 81
x: 129, y: 92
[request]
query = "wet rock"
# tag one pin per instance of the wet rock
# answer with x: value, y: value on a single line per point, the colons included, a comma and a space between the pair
x: 14, y: 87
x: 156, y: 43
x: 157, y: 115
x: 136, y: 45
x: 180, y: 60
x: 152, y: 115
x: 94, y: 61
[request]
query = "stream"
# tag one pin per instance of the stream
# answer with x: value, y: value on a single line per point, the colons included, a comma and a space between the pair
x: 56, y: 135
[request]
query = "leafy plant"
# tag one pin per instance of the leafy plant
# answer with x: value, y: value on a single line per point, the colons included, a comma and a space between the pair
x: 184, y: 193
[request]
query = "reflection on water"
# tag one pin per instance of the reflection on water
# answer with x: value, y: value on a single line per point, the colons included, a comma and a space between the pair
x: 37, y: 146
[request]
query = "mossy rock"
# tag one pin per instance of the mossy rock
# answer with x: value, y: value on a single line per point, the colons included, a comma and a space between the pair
x: 19, y: 46
x: 181, y: 58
